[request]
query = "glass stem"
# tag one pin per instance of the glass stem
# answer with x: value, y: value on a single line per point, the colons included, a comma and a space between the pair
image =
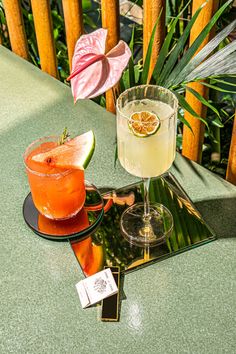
x: 146, y: 184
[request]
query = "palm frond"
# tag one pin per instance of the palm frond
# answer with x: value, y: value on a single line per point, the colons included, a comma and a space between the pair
x: 171, y: 61
x: 221, y: 63
x: 166, y: 46
x: 172, y: 80
x: 220, y: 81
x: 205, y: 52
x: 186, y: 106
x: 217, y: 88
x: 184, y: 121
x: 203, y: 100
x: 131, y: 61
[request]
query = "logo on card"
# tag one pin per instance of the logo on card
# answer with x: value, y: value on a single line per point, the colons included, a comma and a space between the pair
x: 100, y: 285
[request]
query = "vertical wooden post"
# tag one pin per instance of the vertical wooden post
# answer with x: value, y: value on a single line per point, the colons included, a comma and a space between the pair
x: 44, y: 35
x: 111, y: 21
x: 152, y: 9
x: 73, y: 23
x: 231, y: 168
x: 192, y: 142
x: 16, y: 28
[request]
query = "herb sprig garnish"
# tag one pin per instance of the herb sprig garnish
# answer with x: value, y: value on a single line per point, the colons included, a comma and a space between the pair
x: 64, y: 136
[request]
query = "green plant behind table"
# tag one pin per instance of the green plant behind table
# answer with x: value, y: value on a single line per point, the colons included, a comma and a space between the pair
x: 176, y: 66
x: 220, y: 109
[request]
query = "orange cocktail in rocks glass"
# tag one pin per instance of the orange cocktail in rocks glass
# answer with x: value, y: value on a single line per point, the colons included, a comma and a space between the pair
x: 56, y: 174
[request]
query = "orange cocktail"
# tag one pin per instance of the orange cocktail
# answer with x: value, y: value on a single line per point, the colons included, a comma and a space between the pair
x: 57, y: 192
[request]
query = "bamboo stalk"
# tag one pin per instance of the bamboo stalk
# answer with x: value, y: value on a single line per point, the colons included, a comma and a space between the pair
x: 111, y: 21
x: 192, y: 142
x: 44, y: 35
x: 231, y: 169
x: 73, y: 23
x: 152, y: 9
x: 16, y: 28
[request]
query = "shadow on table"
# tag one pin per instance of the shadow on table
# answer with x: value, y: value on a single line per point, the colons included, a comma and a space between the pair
x: 188, y: 167
x: 191, y: 166
x: 220, y: 215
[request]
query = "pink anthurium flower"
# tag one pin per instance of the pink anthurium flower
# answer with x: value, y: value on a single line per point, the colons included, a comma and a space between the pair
x: 93, y: 71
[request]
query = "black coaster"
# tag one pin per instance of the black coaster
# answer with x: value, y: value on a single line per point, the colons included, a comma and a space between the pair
x: 78, y: 227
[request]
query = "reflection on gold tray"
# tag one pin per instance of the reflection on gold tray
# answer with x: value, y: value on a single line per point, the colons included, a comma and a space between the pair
x: 107, y: 246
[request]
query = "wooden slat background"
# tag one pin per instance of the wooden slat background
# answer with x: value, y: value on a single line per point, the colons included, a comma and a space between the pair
x: 111, y: 21
x: 44, y: 34
x: 231, y: 170
x: 73, y: 23
x: 16, y: 28
x: 192, y: 142
x: 151, y: 11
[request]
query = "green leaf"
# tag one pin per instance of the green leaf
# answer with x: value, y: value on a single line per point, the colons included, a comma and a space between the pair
x: 86, y: 5
x: 186, y: 106
x: 131, y: 61
x: 217, y: 88
x: 146, y: 65
x: 30, y: 18
x: 130, y: 76
x: 216, y: 80
x: 203, y: 100
x: 174, y: 78
x: 205, y: 52
x: 178, y: 49
x: 165, y: 47
x: 131, y: 43
x: 217, y: 122
x: 125, y: 79
x: 122, y: 84
x: 131, y: 73
x: 184, y: 121
x: 89, y: 21
x: 55, y: 33
x: 221, y: 63
x: 137, y: 72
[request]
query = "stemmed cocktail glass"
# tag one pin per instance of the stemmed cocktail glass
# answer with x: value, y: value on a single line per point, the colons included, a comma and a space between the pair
x: 146, y: 137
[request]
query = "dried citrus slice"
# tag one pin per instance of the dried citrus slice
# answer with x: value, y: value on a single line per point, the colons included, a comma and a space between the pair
x: 144, y: 124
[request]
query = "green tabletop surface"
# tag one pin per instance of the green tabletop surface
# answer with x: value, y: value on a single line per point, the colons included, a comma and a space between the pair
x: 184, y: 304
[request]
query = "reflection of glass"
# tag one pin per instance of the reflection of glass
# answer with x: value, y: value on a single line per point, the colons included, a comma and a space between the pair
x: 89, y: 255
x: 57, y: 193
x: 147, y: 155
x: 83, y: 224
x: 64, y: 227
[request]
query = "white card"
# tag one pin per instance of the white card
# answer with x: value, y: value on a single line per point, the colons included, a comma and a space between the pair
x: 96, y: 288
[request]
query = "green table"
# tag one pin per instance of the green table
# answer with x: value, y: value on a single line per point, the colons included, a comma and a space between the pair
x: 185, y: 304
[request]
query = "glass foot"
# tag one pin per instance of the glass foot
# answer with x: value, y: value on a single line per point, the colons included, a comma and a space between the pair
x: 149, y: 230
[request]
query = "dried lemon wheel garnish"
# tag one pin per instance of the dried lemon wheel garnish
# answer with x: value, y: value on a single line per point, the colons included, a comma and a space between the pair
x: 144, y: 124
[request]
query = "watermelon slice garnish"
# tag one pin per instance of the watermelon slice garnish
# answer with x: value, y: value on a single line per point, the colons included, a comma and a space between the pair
x: 74, y: 153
